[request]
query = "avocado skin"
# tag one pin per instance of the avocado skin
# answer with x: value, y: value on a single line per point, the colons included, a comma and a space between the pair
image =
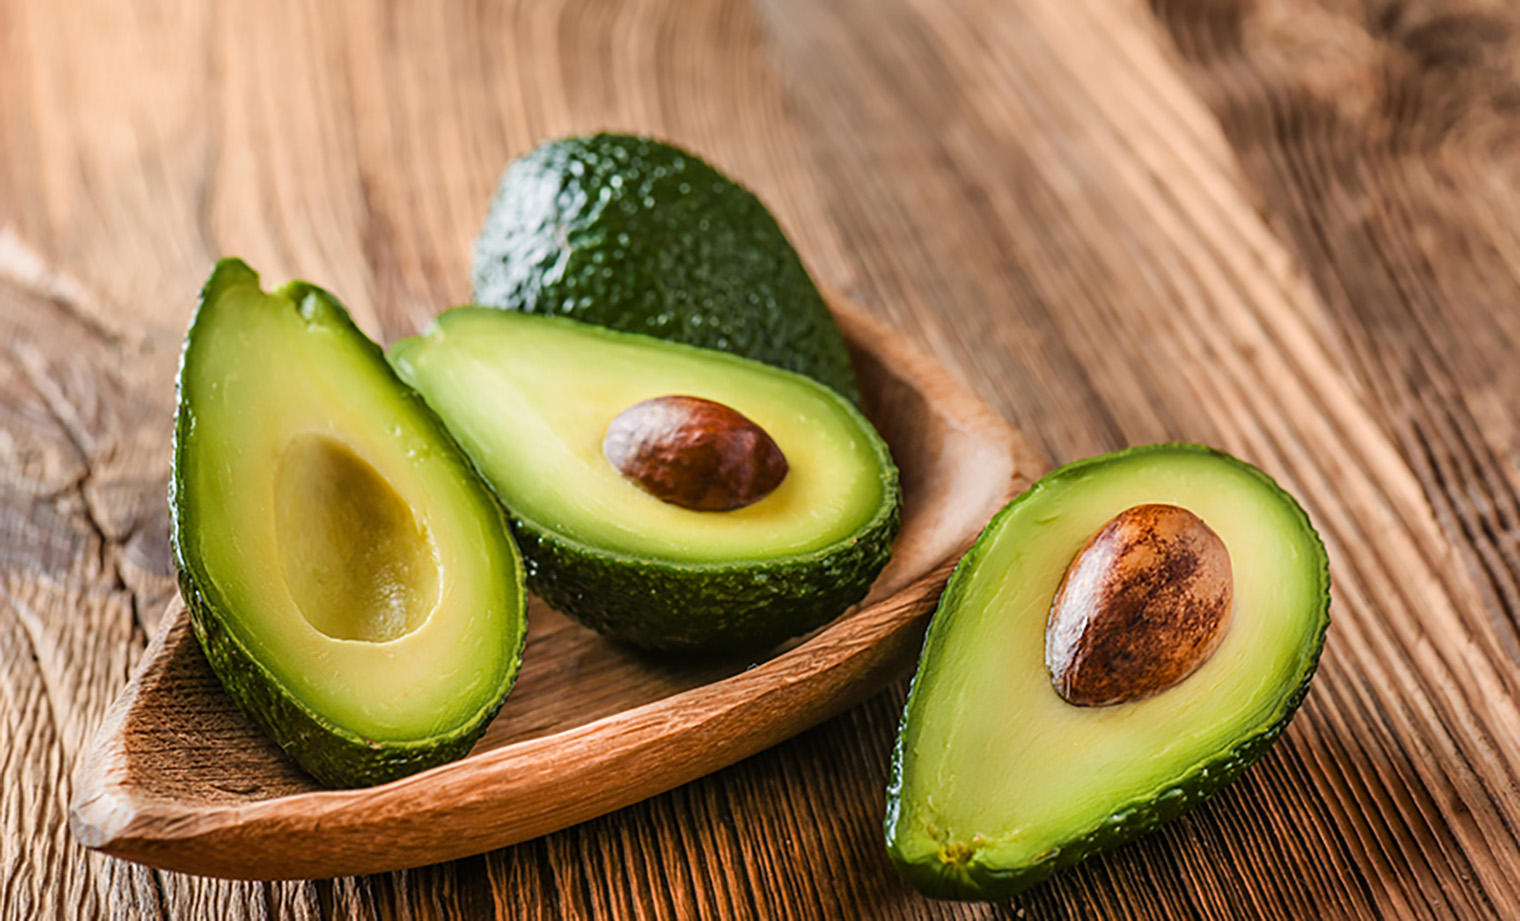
x: 979, y: 883
x: 334, y: 756
x: 644, y: 237
x: 711, y: 609
x: 973, y: 882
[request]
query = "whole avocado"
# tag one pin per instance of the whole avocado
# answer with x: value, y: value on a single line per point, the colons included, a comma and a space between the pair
x: 640, y: 236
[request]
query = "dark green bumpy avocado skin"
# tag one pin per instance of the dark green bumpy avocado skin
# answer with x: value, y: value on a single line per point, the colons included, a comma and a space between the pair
x: 641, y: 236
x: 331, y: 754
x: 712, y: 609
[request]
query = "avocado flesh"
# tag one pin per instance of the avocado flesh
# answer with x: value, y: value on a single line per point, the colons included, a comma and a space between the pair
x: 352, y: 581
x: 530, y: 399
x: 997, y: 780
x: 641, y: 236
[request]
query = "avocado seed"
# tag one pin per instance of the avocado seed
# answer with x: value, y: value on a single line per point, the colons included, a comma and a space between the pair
x: 1145, y: 602
x: 695, y: 453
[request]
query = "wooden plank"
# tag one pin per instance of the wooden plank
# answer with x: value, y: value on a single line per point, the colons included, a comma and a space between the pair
x: 1128, y: 230
x: 1287, y: 227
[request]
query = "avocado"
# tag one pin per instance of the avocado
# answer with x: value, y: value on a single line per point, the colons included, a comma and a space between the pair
x: 351, y: 580
x: 1010, y: 762
x: 644, y: 237
x: 533, y: 400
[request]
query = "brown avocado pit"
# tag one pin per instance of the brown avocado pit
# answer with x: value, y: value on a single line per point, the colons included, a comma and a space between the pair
x: 695, y: 453
x: 1143, y: 605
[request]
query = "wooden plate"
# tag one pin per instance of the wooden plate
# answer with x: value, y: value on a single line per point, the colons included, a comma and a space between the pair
x: 178, y: 778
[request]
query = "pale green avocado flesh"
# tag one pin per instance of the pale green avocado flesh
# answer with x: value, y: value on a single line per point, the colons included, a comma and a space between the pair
x: 530, y: 398
x: 997, y: 780
x: 352, y: 580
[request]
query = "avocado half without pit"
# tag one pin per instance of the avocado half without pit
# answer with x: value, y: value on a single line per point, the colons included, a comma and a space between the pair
x: 1123, y: 640
x: 351, y: 580
x: 675, y: 498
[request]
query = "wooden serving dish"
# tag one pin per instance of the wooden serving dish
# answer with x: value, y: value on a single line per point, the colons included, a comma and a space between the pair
x: 179, y: 779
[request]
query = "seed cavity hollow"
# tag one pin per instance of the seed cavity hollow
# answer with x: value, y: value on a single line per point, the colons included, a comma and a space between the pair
x: 354, y: 558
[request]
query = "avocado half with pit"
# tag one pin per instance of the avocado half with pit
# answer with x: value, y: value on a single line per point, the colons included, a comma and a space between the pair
x: 1096, y: 667
x: 532, y: 400
x: 351, y: 580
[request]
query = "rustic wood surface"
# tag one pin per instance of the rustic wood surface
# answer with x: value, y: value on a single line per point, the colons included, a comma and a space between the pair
x: 1286, y: 227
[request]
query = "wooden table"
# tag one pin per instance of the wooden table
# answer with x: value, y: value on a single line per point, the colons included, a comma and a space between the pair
x: 1290, y: 228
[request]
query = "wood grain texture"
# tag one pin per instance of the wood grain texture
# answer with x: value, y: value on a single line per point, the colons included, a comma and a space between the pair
x: 1287, y: 227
